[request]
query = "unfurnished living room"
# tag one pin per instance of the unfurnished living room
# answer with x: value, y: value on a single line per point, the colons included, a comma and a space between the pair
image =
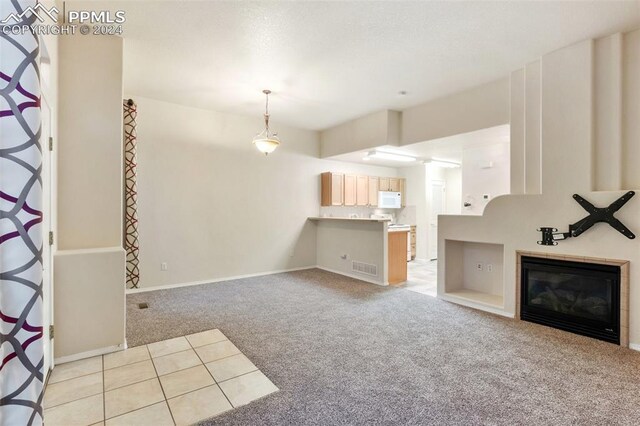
x: 319, y: 213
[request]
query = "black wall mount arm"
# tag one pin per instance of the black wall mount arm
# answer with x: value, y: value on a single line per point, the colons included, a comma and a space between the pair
x: 551, y: 236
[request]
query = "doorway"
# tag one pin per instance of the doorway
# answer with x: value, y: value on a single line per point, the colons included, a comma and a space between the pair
x: 437, y: 194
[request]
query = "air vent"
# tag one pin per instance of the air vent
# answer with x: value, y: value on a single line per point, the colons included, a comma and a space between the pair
x: 364, y: 268
x: 143, y: 305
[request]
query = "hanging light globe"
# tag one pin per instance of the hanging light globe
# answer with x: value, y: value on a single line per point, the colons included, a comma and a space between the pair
x: 266, y: 141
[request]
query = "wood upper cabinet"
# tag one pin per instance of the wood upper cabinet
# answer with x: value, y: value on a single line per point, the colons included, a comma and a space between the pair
x: 394, y: 184
x: 390, y: 184
x: 350, y: 190
x: 332, y: 192
x: 373, y: 191
x: 383, y: 184
x: 362, y: 190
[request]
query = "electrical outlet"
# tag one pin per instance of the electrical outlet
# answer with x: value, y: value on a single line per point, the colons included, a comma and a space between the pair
x: 164, y: 266
x: 489, y: 267
x: 479, y: 267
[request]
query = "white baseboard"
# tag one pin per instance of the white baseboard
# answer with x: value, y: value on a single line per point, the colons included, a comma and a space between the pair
x: 354, y: 276
x: 476, y: 305
x: 91, y: 353
x: 634, y: 346
x: 213, y: 280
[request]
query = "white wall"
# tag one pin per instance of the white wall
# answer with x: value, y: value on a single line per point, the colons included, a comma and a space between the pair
x: 211, y: 206
x: 453, y: 182
x: 478, y: 180
x: 478, y: 108
x: 89, y: 309
x: 416, y: 198
x: 90, y: 314
x: 372, y: 130
x: 568, y: 117
x: 90, y: 148
x: 630, y: 149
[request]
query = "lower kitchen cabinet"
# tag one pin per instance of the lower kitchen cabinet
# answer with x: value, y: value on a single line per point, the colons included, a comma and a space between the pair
x: 397, y: 248
x: 412, y: 241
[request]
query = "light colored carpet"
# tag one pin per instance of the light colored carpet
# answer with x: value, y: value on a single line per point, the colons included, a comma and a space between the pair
x: 344, y: 352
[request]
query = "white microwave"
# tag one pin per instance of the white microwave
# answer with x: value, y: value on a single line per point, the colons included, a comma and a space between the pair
x: 389, y: 200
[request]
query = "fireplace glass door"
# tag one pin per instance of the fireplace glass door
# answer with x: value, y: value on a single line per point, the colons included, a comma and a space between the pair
x: 583, y: 298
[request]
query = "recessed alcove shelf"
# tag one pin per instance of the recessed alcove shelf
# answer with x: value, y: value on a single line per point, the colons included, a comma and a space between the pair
x: 474, y: 274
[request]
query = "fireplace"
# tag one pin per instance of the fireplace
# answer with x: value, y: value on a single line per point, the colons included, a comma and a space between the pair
x: 579, y: 297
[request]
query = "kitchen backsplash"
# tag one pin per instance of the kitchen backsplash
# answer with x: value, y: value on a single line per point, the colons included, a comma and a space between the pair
x: 407, y: 215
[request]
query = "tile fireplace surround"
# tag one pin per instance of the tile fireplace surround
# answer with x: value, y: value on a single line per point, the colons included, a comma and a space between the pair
x: 624, y: 283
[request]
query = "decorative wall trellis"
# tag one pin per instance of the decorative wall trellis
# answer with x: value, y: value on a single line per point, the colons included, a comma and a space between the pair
x: 131, y: 194
x: 21, y: 233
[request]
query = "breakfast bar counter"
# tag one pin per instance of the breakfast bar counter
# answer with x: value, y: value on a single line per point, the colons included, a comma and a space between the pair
x: 361, y: 219
x: 360, y: 248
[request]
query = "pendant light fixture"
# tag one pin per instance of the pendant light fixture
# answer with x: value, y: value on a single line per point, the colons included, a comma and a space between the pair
x: 266, y: 141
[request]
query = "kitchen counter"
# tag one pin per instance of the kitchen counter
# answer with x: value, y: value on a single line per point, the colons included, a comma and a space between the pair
x: 361, y: 219
x: 353, y: 247
x: 369, y: 249
x: 399, y: 228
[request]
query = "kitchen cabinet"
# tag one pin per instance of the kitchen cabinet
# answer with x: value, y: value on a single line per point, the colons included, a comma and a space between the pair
x: 394, y: 185
x: 397, y: 247
x: 389, y: 184
x: 373, y: 191
x: 412, y: 241
x: 350, y: 190
x: 384, y: 184
x: 332, y: 191
x: 362, y: 190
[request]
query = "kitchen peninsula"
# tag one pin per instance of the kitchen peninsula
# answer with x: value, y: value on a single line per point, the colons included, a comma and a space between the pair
x: 368, y: 249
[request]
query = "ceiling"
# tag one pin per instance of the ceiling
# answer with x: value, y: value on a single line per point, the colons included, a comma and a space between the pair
x: 329, y: 62
x: 447, y: 149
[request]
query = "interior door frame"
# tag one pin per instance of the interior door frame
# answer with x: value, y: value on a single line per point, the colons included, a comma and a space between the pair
x: 49, y: 185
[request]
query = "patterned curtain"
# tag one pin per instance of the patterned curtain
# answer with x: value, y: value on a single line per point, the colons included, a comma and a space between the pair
x: 130, y: 194
x: 21, y: 233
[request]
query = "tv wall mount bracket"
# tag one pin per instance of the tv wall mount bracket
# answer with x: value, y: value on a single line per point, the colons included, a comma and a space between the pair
x: 551, y: 236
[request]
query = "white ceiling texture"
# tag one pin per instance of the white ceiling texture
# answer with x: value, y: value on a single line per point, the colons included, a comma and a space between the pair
x: 329, y: 62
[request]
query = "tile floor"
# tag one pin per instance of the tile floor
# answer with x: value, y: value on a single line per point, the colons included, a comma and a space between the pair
x: 174, y: 382
x: 422, y: 277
